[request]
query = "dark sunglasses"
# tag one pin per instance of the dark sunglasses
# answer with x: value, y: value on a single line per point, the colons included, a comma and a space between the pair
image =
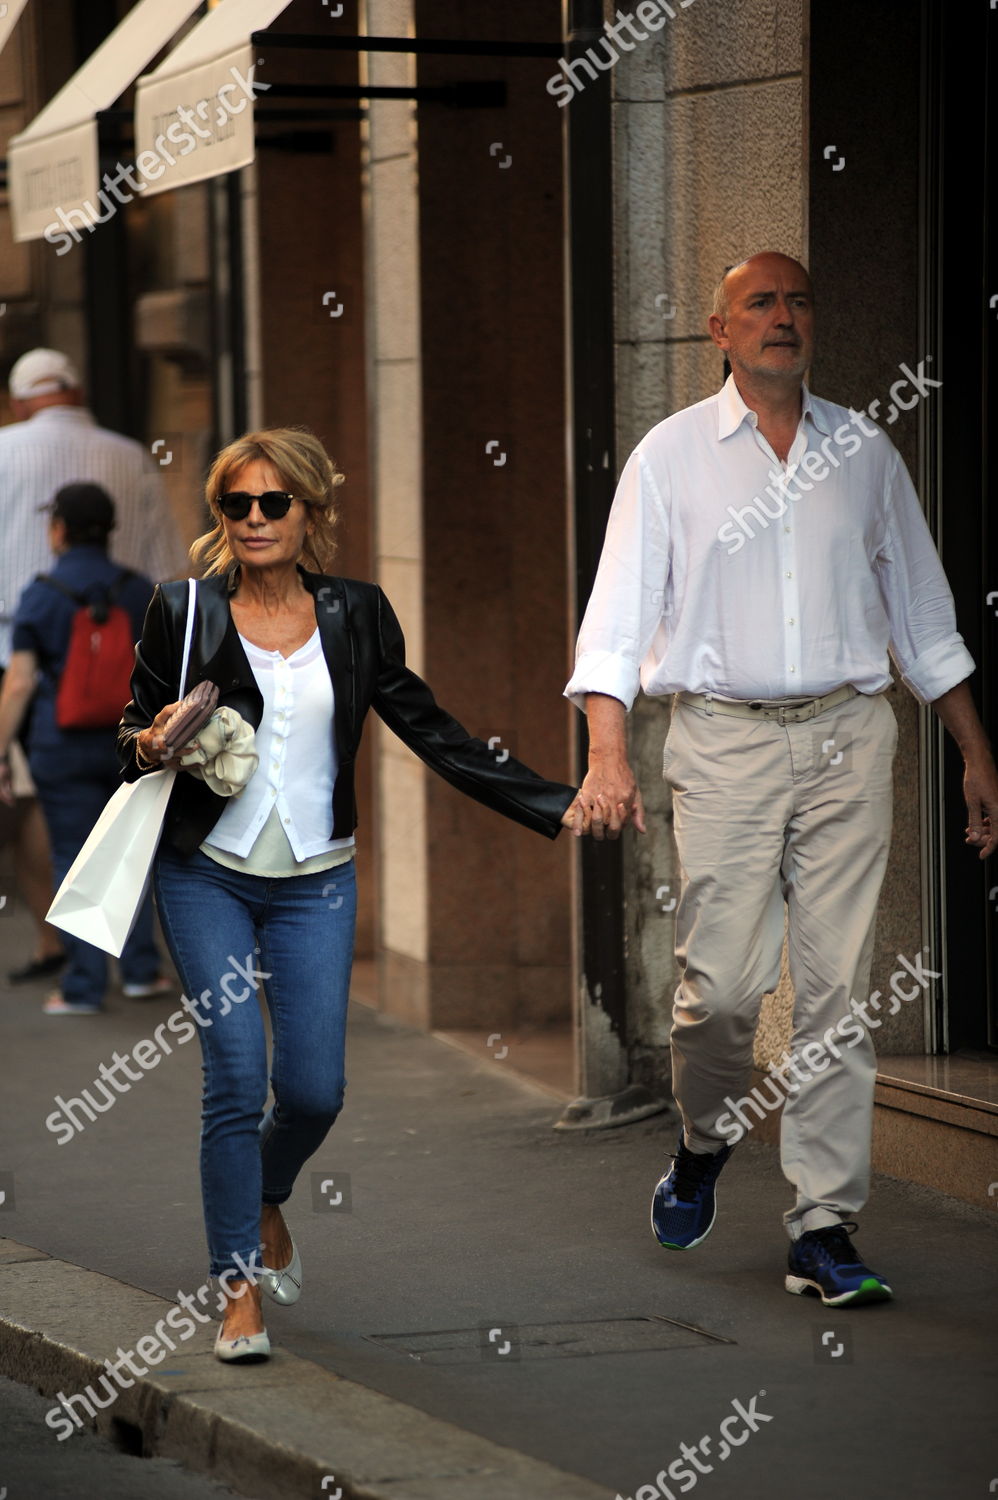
x: 237, y: 505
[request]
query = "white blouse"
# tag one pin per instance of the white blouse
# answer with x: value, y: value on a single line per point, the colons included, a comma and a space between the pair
x: 298, y: 762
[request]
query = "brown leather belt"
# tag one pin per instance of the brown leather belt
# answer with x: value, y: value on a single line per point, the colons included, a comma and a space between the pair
x: 786, y: 712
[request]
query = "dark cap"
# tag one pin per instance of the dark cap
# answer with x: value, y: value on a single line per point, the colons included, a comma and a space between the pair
x: 87, y: 509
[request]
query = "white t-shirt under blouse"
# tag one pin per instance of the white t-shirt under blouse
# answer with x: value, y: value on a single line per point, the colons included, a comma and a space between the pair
x: 292, y: 787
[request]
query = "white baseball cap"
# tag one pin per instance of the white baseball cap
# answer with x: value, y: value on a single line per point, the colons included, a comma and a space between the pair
x: 42, y: 372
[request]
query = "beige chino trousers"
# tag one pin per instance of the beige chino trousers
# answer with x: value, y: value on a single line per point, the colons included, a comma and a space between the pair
x: 771, y: 817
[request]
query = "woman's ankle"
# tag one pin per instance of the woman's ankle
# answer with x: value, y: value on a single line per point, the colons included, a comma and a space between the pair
x: 274, y: 1232
x: 242, y: 1300
x: 238, y: 1289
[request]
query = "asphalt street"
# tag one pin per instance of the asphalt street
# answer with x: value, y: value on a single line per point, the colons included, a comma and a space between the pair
x: 466, y: 1259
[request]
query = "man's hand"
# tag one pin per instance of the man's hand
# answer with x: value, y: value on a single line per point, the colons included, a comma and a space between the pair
x: 980, y: 790
x: 609, y: 799
x: 980, y: 779
x: 606, y: 803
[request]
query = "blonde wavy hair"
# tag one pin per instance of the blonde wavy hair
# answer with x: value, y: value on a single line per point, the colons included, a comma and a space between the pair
x: 305, y: 471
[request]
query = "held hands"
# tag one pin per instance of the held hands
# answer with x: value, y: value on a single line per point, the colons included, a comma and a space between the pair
x: 607, y: 801
x: 980, y: 790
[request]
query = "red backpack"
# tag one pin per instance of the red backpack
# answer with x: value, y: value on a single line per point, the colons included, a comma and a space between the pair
x: 96, y: 680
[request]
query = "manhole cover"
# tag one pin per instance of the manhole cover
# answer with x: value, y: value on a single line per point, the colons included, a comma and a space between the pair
x: 498, y: 1341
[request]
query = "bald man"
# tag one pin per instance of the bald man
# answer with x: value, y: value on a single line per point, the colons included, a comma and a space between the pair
x: 765, y: 555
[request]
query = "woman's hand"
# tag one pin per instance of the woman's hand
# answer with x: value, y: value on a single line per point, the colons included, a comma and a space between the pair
x: 152, y: 747
x: 577, y: 817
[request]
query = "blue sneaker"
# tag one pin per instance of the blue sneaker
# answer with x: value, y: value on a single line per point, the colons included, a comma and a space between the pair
x: 824, y: 1261
x: 683, y: 1206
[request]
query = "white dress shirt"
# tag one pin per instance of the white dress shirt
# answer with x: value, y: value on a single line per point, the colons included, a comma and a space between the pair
x: 297, y: 753
x: 726, y: 571
x: 57, y: 446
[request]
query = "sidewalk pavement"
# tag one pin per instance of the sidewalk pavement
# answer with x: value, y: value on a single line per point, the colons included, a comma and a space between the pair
x: 485, y: 1312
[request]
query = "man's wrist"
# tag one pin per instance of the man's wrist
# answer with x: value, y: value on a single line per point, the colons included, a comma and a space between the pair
x: 607, y: 752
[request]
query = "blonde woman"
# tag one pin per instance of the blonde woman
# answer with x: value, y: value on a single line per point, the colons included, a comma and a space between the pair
x: 258, y: 889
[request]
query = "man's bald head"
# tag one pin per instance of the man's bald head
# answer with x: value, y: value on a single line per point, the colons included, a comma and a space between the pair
x: 764, y: 322
x: 734, y: 276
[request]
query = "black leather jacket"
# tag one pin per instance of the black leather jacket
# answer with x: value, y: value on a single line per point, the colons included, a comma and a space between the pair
x: 365, y: 653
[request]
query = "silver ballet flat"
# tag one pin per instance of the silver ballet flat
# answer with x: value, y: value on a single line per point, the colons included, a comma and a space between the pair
x: 283, y: 1286
x: 248, y: 1347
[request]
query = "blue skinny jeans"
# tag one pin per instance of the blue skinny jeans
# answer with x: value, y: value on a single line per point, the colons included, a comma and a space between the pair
x: 229, y: 933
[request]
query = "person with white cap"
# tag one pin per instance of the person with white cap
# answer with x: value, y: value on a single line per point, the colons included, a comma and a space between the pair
x: 56, y: 441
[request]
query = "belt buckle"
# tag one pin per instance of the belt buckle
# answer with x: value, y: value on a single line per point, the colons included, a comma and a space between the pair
x: 800, y: 713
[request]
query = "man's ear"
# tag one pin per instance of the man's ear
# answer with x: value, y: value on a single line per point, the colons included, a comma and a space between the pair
x: 717, y: 333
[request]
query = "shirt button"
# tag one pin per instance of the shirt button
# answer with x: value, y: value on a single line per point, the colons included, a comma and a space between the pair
x: 791, y: 620
x: 787, y: 530
x: 793, y: 669
x: 789, y: 575
x: 288, y: 820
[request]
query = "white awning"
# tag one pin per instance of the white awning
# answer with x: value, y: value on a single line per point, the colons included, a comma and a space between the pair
x: 200, y: 98
x: 52, y: 166
x: 9, y: 14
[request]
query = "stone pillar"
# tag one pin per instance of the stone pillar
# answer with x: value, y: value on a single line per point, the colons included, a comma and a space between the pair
x: 312, y: 337
x: 467, y: 400
x: 395, y: 410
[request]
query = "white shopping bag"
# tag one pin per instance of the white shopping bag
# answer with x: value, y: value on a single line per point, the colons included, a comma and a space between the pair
x: 100, y: 897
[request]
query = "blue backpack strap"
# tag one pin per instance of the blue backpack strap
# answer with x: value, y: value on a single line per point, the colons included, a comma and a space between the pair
x: 53, y: 583
x: 98, y: 606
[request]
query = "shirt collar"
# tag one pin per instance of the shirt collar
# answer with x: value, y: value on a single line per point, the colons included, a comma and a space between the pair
x: 732, y: 411
x: 63, y: 414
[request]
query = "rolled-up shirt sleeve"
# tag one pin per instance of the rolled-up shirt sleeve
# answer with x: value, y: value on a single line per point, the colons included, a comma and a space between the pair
x: 929, y: 650
x: 626, y: 603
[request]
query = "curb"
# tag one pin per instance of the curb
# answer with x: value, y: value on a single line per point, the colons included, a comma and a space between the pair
x: 272, y: 1431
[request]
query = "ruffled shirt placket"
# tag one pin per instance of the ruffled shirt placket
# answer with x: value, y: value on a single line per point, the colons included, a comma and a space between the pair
x: 284, y: 699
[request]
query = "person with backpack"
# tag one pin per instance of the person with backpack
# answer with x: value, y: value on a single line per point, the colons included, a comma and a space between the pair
x: 73, y: 653
x: 54, y: 440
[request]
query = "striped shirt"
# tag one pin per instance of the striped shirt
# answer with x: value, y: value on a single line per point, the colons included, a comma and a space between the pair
x: 57, y: 446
